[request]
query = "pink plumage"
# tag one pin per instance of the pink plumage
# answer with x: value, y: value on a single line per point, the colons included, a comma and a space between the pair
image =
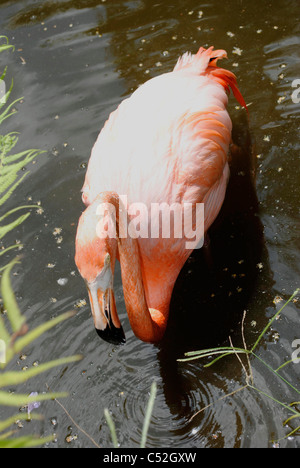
x: 167, y: 143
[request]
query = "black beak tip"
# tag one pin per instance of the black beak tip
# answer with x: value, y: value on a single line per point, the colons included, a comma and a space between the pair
x: 112, y: 335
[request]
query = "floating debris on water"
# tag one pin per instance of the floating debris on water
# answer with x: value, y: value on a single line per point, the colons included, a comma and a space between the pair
x: 70, y: 438
x: 62, y: 281
x: 237, y: 51
x: 281, y: 99
x: 80, y: 303
x: 276, y: 336
x: 57, y: 231
x: 277, y: 299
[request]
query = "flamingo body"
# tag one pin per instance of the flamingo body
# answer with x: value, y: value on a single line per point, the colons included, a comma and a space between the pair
x: 167, y: 143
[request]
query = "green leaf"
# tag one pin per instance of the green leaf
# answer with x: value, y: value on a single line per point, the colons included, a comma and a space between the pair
x: 32, y: 335
x: 16, y: 417
x: 25, y: 442
x: 15, y: 378
x: 14, y: 210
x: 5, y: 197
x: 4, y: 251
x: 14, y: 399
x: 5, y: 47
x: 9, y: 227
x: 13, y: 312
x: 5, y: 114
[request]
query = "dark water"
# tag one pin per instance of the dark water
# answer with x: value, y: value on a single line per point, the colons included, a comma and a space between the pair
x: 73, y: 63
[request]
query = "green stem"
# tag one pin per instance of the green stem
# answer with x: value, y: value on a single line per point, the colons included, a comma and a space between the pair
x: 274, y: 399
x: 276, y: 373
x: 148, y: 414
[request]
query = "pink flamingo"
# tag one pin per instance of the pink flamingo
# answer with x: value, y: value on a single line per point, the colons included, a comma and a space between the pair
x: 167, y: 143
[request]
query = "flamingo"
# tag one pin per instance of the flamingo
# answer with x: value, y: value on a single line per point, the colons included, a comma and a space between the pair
x: 169, y: 142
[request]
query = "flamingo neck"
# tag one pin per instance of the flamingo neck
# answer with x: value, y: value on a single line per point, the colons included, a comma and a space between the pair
x: 148, y: 324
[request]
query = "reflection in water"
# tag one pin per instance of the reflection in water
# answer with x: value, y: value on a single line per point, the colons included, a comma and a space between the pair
x: 111, y: 48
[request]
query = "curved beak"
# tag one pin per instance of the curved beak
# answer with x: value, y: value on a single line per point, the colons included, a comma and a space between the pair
x: 103, y: 307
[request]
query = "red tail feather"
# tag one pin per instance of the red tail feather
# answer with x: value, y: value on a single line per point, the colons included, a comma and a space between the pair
x: 228, y: 79
x: 205, y: 62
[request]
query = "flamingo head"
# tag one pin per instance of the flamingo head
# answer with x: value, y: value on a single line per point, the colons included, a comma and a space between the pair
x: 95, y: 259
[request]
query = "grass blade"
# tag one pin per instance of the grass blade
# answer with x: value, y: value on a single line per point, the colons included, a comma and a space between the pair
x: 14, y: 399
x: 272, y: 320
x: 112, y: 428
x: 13, y: 312
x: 25, y: 442
x: 16, y: 378
x: 32, y: 335
x: 221, y: 351
x: 19, y: 416
x: 149, y: 410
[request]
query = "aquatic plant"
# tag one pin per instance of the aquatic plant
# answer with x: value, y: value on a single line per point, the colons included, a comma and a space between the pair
x: 146, y: 424
x: 221, y: 352
x: 14, y: 332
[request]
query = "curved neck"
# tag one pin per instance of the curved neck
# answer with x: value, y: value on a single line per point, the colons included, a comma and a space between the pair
x: 147, y: 324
